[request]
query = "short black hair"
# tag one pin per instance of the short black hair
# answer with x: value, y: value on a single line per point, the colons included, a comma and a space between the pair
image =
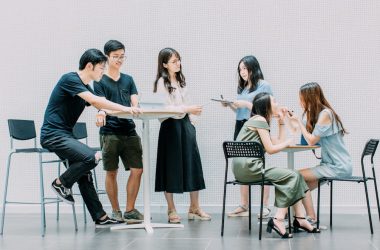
x: 112, y: 45
x: 93, y: 56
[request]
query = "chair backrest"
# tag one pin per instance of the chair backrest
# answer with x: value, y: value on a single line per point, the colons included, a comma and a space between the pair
x: 243, y: 149
x: 21, y: 129
x: 80, y: 130
x: 370, y: 147
x: 234, y: 149
x: 369, y: 150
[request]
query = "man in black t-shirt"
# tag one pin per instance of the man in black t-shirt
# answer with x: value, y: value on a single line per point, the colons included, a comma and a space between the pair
x: 69, y: 98
x: 118, y: 137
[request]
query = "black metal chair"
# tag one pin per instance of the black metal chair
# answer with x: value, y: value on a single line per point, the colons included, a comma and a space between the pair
x: 369, y: 150
x: 25, y: 130
x: 233, y: 149
x: 80, y: 133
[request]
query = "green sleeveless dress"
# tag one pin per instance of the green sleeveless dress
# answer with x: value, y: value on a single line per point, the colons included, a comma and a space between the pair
x: 289, y: 185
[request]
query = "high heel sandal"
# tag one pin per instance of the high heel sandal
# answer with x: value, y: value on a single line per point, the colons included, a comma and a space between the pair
x: 297, y: 226
x: 198, y: 214
x: 271, y: 226
x: 173, y: 217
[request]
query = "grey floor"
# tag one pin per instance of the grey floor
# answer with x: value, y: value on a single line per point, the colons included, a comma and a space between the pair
x: 22, y: 231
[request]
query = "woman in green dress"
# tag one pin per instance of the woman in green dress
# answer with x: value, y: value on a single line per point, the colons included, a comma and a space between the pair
x: 290, y: 187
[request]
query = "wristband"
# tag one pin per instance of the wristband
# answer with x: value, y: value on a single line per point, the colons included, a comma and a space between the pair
x: 103, y: 111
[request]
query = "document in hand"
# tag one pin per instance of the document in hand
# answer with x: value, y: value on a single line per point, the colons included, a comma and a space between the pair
x: 222, y: 101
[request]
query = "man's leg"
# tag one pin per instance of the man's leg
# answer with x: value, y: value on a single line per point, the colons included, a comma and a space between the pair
x: 132, y: 159
x: 112, y: 189
x: 133, y: 187
x: 90, y: 197
x: 110, y: 150
x: 81, y: 160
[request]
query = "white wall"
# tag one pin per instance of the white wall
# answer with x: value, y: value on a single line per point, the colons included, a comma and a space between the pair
x: 336, y: 43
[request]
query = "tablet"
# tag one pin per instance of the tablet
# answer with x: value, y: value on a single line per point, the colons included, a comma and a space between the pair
x: 222, y: 101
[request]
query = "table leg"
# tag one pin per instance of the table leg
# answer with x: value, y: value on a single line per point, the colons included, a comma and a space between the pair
x: 290, y: 166
x: 146, y: 161
x: 291, y: 160
x: 146, y: 174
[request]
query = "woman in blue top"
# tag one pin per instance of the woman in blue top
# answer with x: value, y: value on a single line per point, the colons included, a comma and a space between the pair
x: 251, y: 82
x: 323, y: 126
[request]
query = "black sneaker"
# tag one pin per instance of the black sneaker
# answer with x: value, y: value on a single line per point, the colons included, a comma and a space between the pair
x: 107, y: 222
x: 63, y: 193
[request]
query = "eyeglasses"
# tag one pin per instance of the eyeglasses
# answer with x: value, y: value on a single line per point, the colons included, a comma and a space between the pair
x: 118, y: 58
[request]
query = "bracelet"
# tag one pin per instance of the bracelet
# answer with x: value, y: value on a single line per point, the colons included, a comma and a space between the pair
x: 103, y: 111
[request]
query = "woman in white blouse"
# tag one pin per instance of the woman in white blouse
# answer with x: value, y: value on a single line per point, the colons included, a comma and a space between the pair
x: 179, y: 167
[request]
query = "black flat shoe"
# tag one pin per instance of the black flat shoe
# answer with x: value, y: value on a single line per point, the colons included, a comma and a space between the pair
x: 271, y: 226
x: 297, y: 226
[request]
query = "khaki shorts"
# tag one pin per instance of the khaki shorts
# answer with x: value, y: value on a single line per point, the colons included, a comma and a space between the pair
x: 128, y: 148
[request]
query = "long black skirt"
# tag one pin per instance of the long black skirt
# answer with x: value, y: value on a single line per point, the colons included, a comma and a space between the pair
x: 179, y: 167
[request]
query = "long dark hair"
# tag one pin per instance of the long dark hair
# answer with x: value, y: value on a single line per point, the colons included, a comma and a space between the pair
x: 314, y: 102
x: 261, y: 105
x: 254, y: 71
x: 164, y: 57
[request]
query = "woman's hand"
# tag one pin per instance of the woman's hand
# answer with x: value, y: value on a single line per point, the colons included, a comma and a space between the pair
x: 281, y: 114
x: 294, y: 121
x: 242, y: 104
x: 290, y: 142
x: 225, y: 104
x: 194, y: 109
x: 293, y: 117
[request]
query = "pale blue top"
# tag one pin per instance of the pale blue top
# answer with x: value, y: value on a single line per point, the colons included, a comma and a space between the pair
x: 245, y: 113
x: 336, y: 161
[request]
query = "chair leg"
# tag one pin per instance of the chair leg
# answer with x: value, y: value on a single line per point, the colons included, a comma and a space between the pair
x: 318, y: 202
x: 331, y: 202
x: 5, y: 193
x: 377, y: 196
x: 95, y: 179
x: 249, y: 208
x: 368, y: 207
x: 42, y: 197
x: 261, y: 211
x: 84, y: 213
x: 59, y: 174
x: 75, y: 218
x: 224, y: 208
x: 289, y: 221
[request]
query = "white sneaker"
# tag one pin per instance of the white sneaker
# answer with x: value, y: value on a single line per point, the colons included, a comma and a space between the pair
x: 266, y: 213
